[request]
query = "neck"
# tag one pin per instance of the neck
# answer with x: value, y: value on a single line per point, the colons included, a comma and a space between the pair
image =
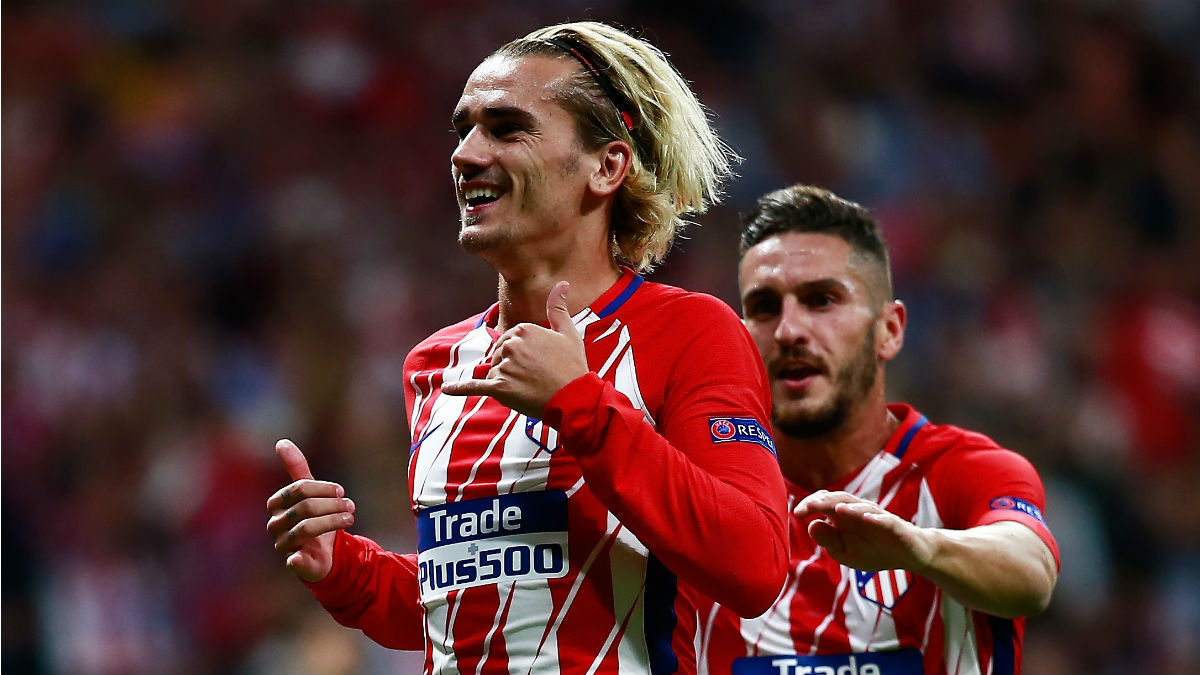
x: 578, y: 252
x: 523, y: 296
x: 815, y: 463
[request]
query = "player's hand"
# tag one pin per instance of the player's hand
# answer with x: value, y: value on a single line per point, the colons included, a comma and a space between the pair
x: 531, y: 363
x: 304, y: 517
x: 862, y: 535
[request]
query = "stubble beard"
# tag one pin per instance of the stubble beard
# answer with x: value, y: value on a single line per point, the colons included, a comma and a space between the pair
x: 851, y: 385
x: 477, y: 240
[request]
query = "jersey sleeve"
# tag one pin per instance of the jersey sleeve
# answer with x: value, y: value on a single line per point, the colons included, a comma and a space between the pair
x: 987, y: 485
x: 703, y: 491
x: 375, y: 591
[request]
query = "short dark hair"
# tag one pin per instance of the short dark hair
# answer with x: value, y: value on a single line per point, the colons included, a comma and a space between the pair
x: 807, y: 208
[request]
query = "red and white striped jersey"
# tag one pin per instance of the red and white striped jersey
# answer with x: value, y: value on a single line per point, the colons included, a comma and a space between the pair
x: 830, y: 616
x: 555, y: 545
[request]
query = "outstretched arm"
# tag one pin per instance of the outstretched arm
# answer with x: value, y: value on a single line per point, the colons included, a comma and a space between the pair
x: 1002, y: 568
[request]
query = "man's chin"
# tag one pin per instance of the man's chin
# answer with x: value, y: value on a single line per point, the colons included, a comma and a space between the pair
x: 475, y: 239
x: 808, y: 423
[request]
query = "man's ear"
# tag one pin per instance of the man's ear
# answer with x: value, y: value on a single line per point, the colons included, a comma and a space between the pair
x: 616, y: 158
x: 889, y: 334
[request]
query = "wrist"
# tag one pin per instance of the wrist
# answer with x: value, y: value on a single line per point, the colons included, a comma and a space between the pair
x: 929, y: 543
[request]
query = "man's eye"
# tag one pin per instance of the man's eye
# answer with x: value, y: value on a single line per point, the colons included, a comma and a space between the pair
x: 761, y: 309
x: 821, y: 300
x: 505, y: 129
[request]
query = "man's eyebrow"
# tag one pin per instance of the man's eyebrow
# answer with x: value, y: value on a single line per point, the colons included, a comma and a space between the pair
x: 758, y: 292
x: 513, y: 113
x: 826, y: 285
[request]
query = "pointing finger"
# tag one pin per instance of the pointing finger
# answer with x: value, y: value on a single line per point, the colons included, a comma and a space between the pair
x: 471, y: 388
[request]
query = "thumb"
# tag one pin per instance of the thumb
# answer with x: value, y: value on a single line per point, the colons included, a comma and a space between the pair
x: 293, y: 460
x: 556, y: 310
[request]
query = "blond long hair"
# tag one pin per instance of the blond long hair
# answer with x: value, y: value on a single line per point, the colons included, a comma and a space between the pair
x: 679, y: 162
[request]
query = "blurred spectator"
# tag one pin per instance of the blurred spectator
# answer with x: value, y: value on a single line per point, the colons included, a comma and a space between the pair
x: 225, y: 223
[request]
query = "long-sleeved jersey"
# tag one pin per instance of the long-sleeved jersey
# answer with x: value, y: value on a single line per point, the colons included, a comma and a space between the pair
x: 830, y: 618
x: 556, y: 545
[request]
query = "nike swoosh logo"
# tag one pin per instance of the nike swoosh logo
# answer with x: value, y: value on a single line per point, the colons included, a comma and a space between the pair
x: 414, y: 446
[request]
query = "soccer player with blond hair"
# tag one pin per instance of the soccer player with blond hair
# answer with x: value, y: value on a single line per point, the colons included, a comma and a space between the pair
x: 592, y: 450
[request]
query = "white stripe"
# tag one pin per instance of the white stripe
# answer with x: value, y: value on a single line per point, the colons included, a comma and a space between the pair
x: 526, y: 623
x: 837, y: 595
x: 487, y: 640
x: 867, y: 483
x: 431, y: 467
x: 933, y: 607
x: 884, y: 579
x: 625, y: 380
x: 512, y: 415
x: 418, y: 404
x: 704, y: 639
x: 435, y: 627
x: 927, y: 516
x: 524, y: 467
x: 574, y: 488
x: 628, y: 559
x: 887, y: 499
x: 584, y: 319
x: 418, y: 401
x: 960, y: 650
x: 552, y: 635
x: 630, y: 667
x: 433, y: 494
x: 446, y: 410
x: 927, y: 511
x: 962, y: 655
x: 450, y: 633
x: 616, y: 323
x: 617, y: 350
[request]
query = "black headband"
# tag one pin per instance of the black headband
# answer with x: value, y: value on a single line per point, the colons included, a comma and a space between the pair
x: 581, y: 52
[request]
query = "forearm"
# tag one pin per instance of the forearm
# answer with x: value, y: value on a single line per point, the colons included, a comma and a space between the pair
x: 724, y: 534
x: 375, y: 591
x: 1002, y: 568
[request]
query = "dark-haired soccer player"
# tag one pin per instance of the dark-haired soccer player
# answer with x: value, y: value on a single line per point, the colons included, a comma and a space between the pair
x: 916, y: 547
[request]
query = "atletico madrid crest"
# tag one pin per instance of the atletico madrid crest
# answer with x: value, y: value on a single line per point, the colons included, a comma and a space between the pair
x: 541, y: 434
x: 884, y: 587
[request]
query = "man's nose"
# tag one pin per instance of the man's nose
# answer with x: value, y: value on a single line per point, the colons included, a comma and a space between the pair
x: 473, y: 152
x: 794, y: 322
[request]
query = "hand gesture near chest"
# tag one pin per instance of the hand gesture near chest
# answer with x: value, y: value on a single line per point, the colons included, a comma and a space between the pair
x: 530, y: 363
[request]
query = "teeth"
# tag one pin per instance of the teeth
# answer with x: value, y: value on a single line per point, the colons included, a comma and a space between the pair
x: 481, y: 193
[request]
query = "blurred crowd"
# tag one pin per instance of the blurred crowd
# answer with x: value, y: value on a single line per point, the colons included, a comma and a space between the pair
x: 227, y: 221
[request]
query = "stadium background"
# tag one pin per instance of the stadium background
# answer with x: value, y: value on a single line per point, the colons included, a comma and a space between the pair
x: 226, y: 221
